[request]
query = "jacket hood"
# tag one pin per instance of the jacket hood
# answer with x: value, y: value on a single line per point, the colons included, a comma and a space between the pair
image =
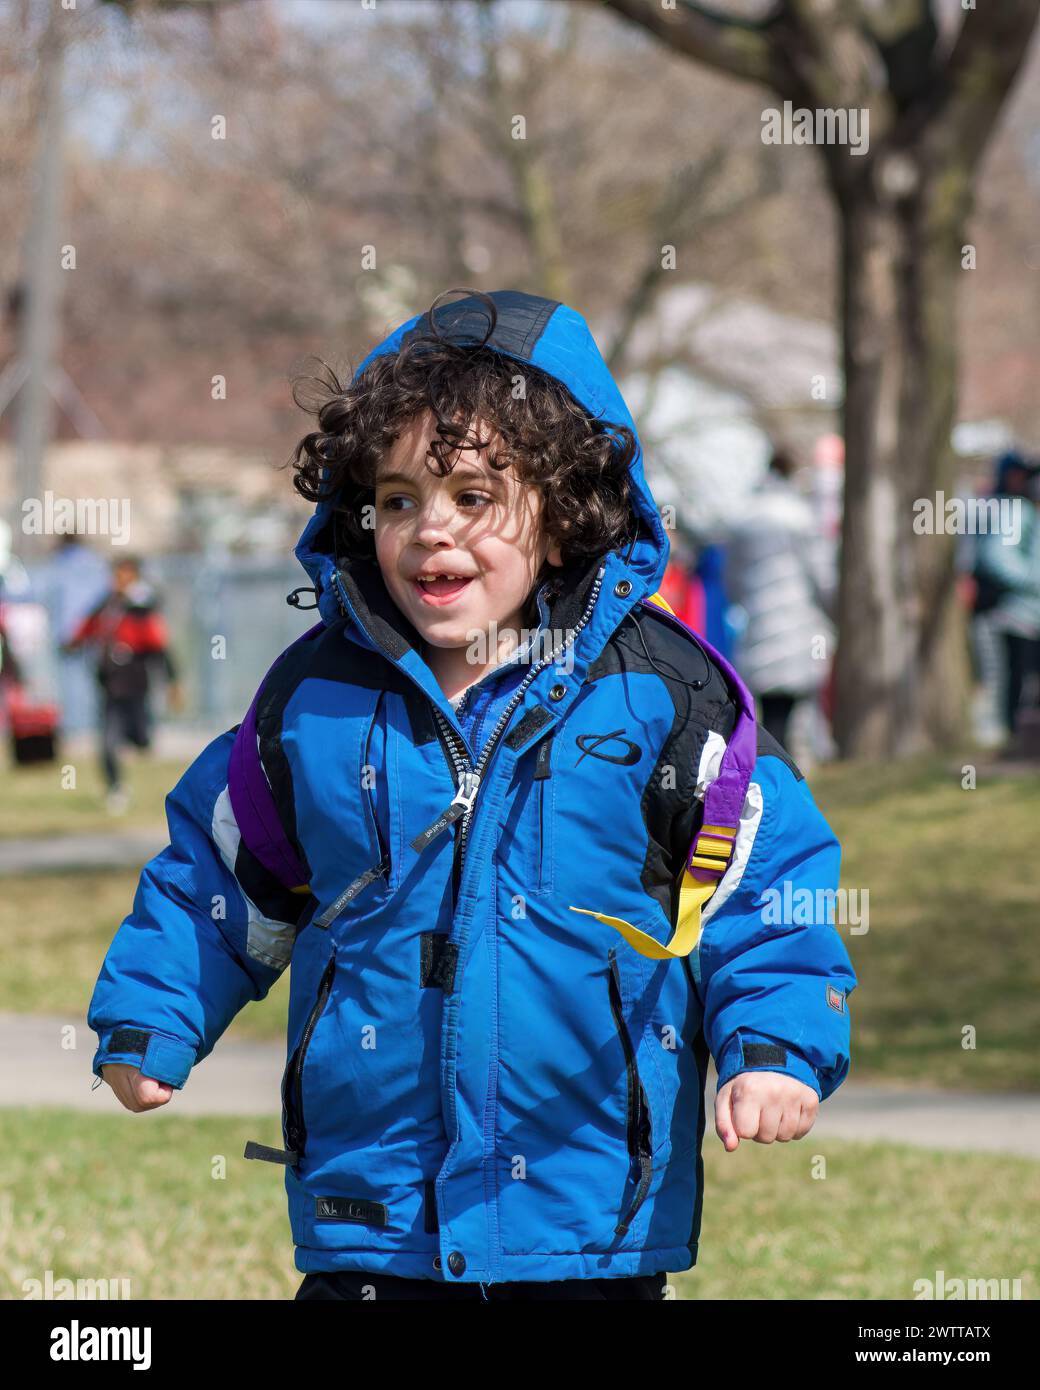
x: 545, y: 334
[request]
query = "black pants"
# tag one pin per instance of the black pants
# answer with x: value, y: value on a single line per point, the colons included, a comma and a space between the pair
x: 124, y: 719
x: 358, y: 1286
x: 1021, y: 659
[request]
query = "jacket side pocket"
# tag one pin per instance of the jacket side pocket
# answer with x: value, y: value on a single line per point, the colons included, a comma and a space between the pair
x: 294, y: 1126
x: 638, y: 1131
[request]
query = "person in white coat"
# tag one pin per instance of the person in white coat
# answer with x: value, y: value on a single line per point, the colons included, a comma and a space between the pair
x: 781, y: 576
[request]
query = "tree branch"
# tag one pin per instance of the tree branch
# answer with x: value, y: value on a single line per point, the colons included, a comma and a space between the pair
x: 835, y: 56
x: 906, y: 35
x: 988, y: 52
x: 736, y: 46
x: 687, y: 189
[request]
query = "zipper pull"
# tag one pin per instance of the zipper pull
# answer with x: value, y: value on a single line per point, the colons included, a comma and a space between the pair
x: 461, y: 803
x: 268, y: 1155
x: 468, y: 785
x: 352, y: 890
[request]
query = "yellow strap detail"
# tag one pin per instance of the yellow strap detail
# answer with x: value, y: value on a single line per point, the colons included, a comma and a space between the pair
x: 303, y: 888
x: 721, y: 849
x: 656, y: 598
x: 693, y: 894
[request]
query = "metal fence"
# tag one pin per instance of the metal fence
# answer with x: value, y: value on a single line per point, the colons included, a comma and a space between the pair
x: 228, y: 620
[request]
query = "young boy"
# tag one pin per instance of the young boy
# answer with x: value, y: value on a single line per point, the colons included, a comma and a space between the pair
x: 487, y: 767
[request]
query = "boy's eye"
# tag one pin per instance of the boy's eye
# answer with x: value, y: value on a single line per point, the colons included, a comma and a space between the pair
x: 398, y: 502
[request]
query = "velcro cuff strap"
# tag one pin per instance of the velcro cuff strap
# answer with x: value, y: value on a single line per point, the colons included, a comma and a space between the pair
x: 129, y: 1040
x: 167, y: 1060
x: 163, y: 1059
x: 739, y: 1056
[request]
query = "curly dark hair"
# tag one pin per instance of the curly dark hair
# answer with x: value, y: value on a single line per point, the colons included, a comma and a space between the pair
x: 580, y: 463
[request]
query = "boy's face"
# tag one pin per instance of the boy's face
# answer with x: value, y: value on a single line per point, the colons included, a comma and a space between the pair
x: 479, y: 523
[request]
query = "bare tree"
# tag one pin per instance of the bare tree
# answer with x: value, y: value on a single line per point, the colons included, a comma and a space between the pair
x: 242, y: 253
x: 902, y: 207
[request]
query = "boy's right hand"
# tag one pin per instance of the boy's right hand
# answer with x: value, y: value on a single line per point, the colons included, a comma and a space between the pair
x: 134, y: 1091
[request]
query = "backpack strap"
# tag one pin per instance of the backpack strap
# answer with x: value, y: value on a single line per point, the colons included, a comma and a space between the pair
x: 712, y: 848
x: 252, y: 799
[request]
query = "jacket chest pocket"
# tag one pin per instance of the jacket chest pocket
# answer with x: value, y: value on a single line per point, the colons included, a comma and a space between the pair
x: 374, y: 774
x: 543, y: 795
x: 378, y: 779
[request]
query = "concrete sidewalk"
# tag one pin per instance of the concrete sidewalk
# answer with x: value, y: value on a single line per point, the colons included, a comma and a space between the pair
x: 124, y: 846
x: 243, y: 1078
x: 972, y: 1121
x: 240, y: 1078
x: 99, y: 849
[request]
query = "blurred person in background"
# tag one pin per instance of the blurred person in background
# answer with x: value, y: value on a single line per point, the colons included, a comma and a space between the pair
x: 130, y: 637
x: 70, y: 584
x: 780, y: 576
x: 75, y: 581
x: 13, y: 581
x: 1007, y: 584
x: 681, y: 587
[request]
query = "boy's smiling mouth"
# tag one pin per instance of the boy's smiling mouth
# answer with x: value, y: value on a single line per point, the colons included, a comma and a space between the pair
x: 440, y: 588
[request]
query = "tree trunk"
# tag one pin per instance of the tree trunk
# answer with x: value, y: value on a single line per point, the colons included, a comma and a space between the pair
x: 902, y: 661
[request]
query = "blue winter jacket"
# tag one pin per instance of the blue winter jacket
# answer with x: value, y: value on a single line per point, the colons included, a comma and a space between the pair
x: 482, y: 1084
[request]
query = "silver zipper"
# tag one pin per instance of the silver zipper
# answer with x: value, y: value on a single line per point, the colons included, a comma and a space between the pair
x: 462, y: 763
x: 352, y: 890
x: 467, y: 776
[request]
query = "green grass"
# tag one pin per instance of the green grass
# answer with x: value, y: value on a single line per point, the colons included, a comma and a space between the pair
x: 954, y: 881
x: 107, y: 1197
x: 884, y: 1216
x: 135, y: 1196
x: 56, y: 929
x: 38, y: 800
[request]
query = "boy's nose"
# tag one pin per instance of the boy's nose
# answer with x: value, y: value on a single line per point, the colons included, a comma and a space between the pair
x: 433, y: 528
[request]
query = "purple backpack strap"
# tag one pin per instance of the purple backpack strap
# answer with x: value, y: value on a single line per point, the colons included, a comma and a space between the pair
x: 724, y: 800
x: 252, y: 799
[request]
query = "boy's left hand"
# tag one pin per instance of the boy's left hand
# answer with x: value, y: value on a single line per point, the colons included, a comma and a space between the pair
x: 764, y: 1105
